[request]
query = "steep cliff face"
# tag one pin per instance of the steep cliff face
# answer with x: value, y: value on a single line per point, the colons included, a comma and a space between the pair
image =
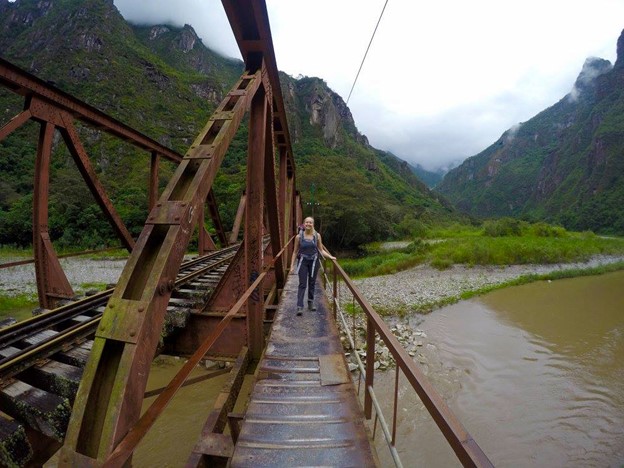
x: 327, y: 111
x: 563, y: 165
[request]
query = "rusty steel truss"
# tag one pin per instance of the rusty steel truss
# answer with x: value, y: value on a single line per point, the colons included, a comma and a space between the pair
x: 55, y: 110
x: 109, y: 399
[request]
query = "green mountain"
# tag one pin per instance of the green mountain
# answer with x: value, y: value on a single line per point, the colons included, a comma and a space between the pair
x: 164, y: 82
x: 565, y: 165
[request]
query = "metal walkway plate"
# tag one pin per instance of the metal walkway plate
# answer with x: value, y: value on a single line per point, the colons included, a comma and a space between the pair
x: 303, y: 409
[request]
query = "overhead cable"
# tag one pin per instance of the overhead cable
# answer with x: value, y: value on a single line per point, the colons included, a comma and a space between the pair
x: 366, y: 53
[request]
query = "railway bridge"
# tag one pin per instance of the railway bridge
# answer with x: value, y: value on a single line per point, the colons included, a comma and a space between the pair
x: 74, y: 378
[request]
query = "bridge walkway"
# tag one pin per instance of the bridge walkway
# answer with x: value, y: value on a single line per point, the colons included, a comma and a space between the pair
x: 303, y: 410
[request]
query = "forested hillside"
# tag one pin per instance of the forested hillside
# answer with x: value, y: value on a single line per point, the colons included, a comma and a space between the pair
x: 565, y: 165
x: 165, y: 82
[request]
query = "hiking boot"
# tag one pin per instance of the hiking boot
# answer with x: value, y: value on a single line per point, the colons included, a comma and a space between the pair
x: 311, y: 306
x: 299, y: 310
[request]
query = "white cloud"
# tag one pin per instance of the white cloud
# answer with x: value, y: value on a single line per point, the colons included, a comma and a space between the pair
x: 443, y: 79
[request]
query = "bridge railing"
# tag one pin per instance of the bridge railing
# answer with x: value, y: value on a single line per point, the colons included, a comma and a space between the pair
x: 465, y: 447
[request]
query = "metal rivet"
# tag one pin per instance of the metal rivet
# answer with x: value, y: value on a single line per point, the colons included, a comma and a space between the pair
x: 141, y: 309
x: 132, y: 333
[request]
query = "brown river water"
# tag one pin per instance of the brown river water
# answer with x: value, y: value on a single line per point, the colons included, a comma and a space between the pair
x: 535, y: 373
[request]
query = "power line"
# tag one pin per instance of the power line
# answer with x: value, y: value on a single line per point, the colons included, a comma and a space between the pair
x: 366, y: 53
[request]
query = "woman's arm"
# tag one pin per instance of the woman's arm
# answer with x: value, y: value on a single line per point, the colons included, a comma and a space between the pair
x: 294, y: 255
x: 322, y: 250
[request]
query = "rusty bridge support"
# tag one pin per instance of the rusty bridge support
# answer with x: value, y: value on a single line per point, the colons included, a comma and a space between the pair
x: 56, y: 110
x: 108, y: 402
x: 52, y: 284
x: 253, y: 220
x: 109, y: 398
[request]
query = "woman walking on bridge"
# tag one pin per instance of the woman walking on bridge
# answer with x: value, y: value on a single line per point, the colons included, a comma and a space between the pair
x: 308, y: 247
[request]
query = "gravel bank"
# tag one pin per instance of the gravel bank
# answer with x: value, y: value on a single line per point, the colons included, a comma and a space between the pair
x: 79, y: 271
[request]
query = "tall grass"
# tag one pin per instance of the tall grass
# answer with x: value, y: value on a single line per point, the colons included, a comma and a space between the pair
x: 522, y: 250
x: 380, y: 263
x: 19, y: 307
x: 501, y: 242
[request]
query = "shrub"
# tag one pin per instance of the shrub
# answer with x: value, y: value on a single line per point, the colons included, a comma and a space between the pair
x: 546, y: 230
x: 502, y: 227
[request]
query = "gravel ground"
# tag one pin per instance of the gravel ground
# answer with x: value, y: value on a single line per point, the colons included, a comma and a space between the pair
x: 21, y: 279
x: 423, y: 284
x: 416, y: 286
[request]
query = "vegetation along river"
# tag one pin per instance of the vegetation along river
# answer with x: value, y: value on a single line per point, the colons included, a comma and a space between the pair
x: 535, y: 373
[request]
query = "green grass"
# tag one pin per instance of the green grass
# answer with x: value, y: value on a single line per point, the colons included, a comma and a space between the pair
x: 92, y: 286
x: 538, y: 244
x: 380, y: 263
x: 522, y: 250
x: 19, y: 307
x: 7, y: 252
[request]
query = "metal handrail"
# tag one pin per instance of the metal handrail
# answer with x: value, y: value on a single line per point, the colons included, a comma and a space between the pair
x: 465, y: 447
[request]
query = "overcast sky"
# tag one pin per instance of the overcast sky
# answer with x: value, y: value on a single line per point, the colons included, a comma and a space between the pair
x: 443, y: 79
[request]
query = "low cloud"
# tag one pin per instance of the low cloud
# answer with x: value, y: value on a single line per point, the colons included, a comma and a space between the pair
x: 206, y: 16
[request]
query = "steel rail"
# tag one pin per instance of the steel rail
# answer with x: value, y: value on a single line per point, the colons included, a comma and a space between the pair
x: 17, y: 362
x: 66, y: 312
x: 465, y: 447
x: 379, y: 414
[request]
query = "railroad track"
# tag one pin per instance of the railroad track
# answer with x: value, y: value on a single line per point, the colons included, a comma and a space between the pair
x: 42, y: 359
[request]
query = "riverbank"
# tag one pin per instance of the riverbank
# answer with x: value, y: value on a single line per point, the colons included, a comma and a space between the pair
x: 423, y: 288
x: 404, y: 297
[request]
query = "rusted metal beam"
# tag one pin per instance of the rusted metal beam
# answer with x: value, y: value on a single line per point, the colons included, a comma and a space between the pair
x: 213, y: 209
x: 128, y: 443
x: 231, y: 285
x: 153, y: 180
x: 13, y: 124
x: 109, y: 397
x: 250, y: 23
x: 25, y: 84
x: 52, y: 284
x: 253, y: 220
x: 72, y: 140
x: 271, y: 200
x: 238, y: 219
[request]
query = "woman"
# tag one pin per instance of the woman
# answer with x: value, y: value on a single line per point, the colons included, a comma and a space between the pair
x: 308, y: 247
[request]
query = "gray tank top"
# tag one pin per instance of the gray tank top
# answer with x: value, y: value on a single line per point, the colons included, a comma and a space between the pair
x: 307, y: 248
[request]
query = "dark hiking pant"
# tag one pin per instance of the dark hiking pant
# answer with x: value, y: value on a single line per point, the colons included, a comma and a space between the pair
x: 307, y: 279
